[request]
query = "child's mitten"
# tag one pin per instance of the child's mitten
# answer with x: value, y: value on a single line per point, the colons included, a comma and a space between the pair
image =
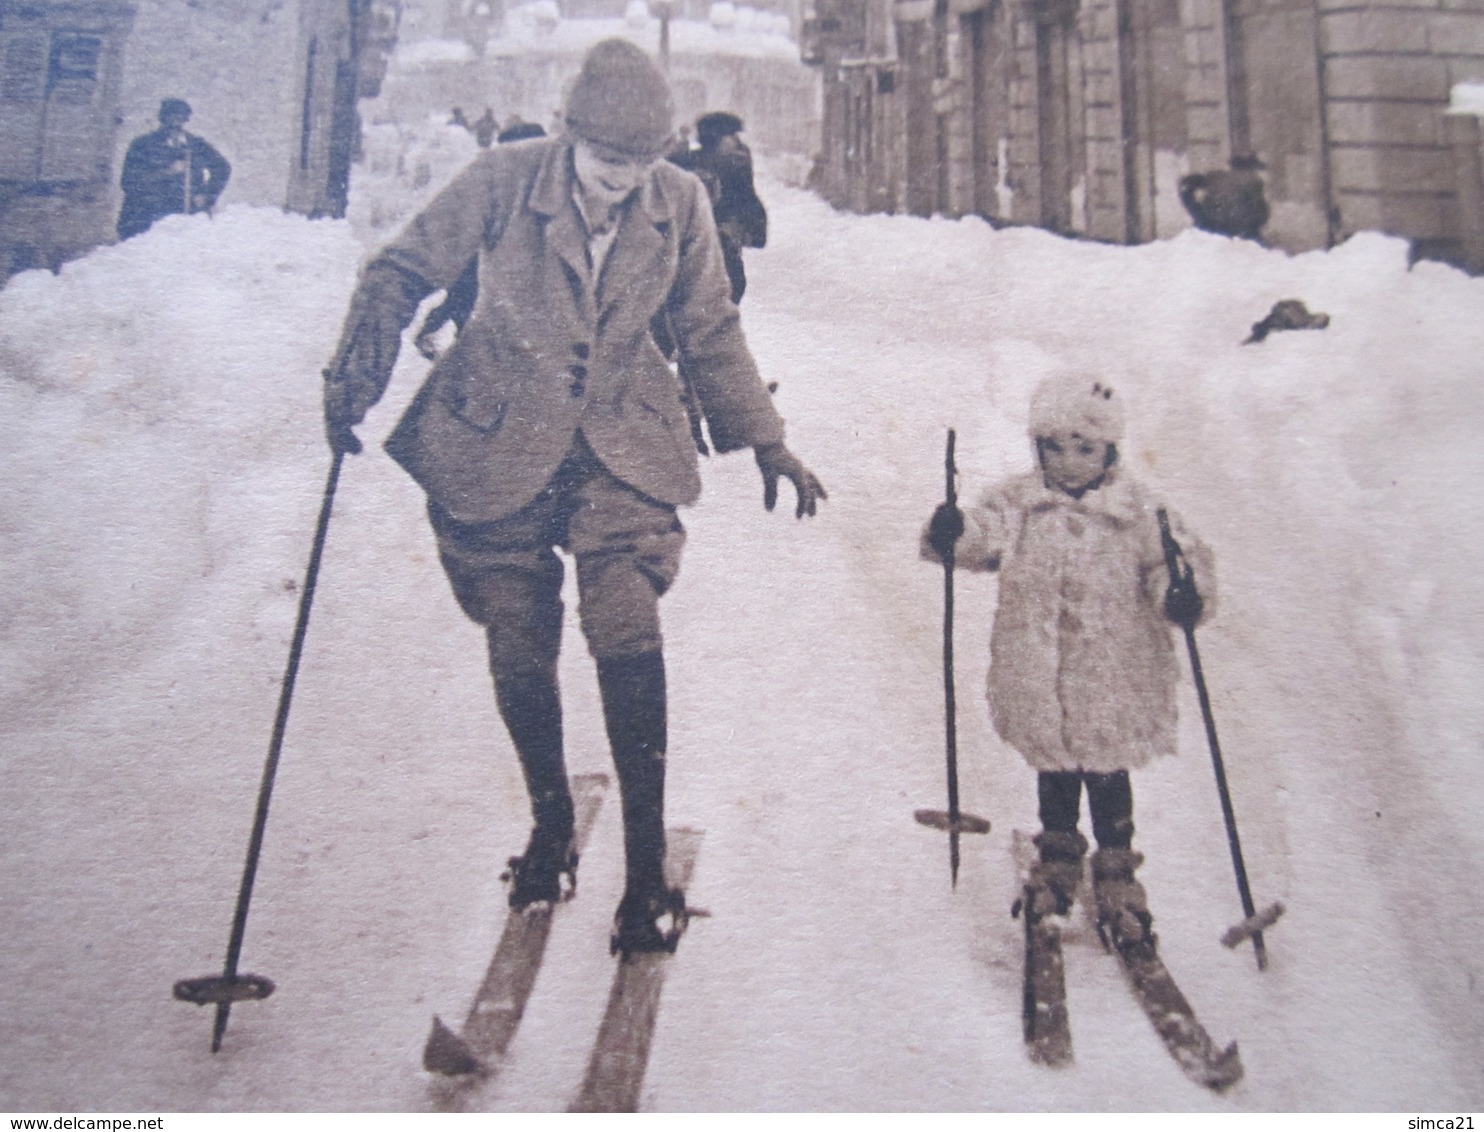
x: 945, y: 528
x: 1183, y: 602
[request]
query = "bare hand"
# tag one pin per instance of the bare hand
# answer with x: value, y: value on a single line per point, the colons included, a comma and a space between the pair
x: 775, y: 460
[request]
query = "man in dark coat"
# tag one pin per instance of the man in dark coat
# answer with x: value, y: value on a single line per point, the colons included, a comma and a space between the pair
x: 169, y: 171
x: 724, y: 164
x: 1229, y: 202
x: 555, y: 422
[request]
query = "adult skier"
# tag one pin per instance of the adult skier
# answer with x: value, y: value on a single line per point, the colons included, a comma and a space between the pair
x: 1083, y: 672
x: 169, y: 170
x: 554, y: 422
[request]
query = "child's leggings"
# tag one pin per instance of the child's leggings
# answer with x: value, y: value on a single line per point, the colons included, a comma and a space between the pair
x: 1110, y: 798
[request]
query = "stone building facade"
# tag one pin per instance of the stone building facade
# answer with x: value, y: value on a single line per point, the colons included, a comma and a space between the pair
x: 1082, y: 115
x: 273, y: 84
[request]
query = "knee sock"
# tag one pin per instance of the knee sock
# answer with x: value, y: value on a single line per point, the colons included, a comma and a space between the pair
x: 1110, y: 798
x: 530, y: 704
x: 634, y: 710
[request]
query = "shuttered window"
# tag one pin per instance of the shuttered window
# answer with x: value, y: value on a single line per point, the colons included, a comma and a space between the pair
x: 52, y: 125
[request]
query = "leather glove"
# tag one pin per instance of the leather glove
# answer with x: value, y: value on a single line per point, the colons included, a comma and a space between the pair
x: 945, y: 528
x: 1183, y: 602
x: 340, y: 417
x: 775, y: 460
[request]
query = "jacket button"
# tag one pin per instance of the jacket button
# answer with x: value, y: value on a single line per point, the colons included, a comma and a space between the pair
x: 581, y: 349
x: 579, y: 372
x: 578, y: 389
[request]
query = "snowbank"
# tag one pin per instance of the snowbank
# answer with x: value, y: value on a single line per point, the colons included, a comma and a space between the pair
x: 149, y: 394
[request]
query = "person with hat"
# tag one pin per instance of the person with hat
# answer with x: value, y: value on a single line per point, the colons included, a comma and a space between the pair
x: 1228, y: 202
x: 169, y: 170
x: 724, y: 164
x: 554, y: 422
x: 1083, y: 669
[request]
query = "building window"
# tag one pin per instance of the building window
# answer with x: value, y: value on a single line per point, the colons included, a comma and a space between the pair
x: 25, y: 67
x: 72, y: 75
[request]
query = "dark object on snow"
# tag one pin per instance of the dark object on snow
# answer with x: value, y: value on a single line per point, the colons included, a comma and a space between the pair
x: 1228, y: 202
x: 1181, y: 576
x: 231, y: 987
x: 485, y: 128
x: 169, y: 171
x: 1287, y: 314
x: 954, y: 820
x: 520, y: 131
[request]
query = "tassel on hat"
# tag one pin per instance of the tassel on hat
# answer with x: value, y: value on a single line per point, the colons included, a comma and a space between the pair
x: 1077, y: 402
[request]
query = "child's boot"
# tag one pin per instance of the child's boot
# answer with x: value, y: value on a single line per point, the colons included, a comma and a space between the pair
x: 1124, y: 921
x: 1055, y: 877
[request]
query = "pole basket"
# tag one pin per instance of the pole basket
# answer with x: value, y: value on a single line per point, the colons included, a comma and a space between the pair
x: 948, y: 823
x: 1253, y: 926
x: 219, y: 989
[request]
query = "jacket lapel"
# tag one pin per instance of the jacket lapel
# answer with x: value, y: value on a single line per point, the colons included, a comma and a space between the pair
x: 551, y: 198
x: 636, y: 261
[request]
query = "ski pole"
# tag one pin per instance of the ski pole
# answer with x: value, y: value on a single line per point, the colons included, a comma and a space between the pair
x: 1181, y: 575
x: 229, y: 987
x: 954, y: 820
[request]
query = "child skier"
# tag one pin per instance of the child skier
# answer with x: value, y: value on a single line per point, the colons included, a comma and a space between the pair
x: 1083, y: 671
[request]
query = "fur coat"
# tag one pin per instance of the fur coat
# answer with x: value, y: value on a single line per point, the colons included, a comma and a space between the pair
x: 1083, y: 669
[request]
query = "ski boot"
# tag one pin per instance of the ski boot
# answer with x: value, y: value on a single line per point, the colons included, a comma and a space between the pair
x: 649, y: 923
x: 547, y: 871
x: 1052, y: 885
x: 1124, y: 921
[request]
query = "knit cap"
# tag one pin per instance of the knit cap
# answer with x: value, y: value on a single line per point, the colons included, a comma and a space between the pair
x: 1077, y: 402
x: 621, y: 100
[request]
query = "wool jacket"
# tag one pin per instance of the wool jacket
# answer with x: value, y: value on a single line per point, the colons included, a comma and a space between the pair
x: 1083, y: 668
x: 550, y: 352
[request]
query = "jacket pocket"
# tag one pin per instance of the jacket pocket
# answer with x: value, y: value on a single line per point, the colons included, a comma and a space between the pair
x: 484, y: 413
x: 460, y: 386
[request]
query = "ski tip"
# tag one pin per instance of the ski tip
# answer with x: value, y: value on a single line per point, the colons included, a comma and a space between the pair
x: 447, y: 1053
x: 1225, y: 1070
x: 942, y: 821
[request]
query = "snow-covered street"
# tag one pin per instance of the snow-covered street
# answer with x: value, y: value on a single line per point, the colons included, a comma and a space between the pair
x: 159, y: 414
